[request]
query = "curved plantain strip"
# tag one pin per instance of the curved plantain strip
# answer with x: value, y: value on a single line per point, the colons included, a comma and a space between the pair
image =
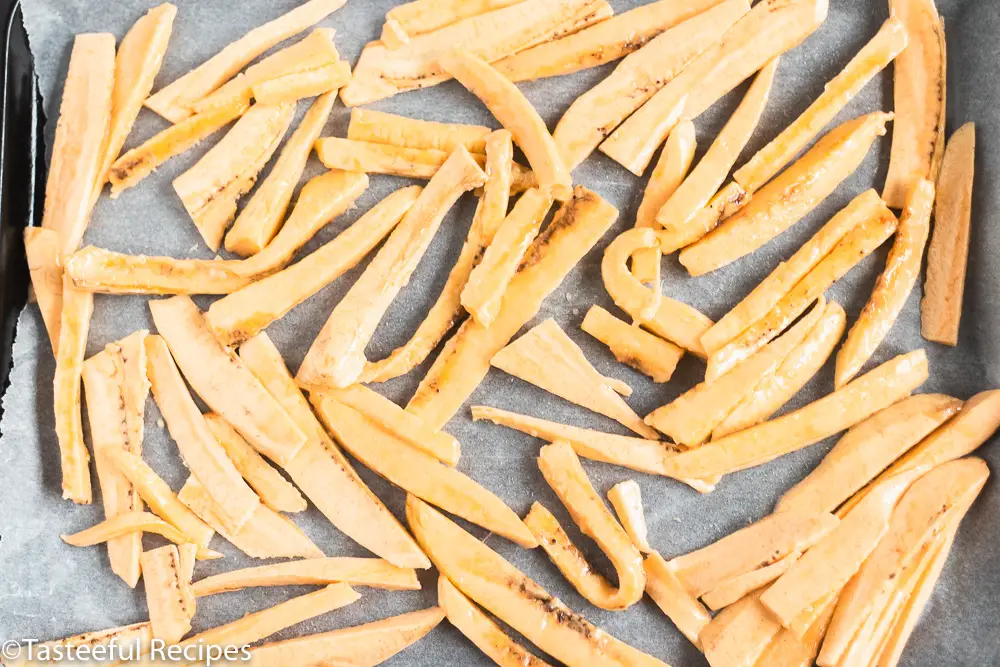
x: 562, y: 470
x: 41, y: 247
x: 379, y: 127
x: 489, y: 580
x: 626, y: 498
x: 893, y: 287
x: 134, y: 523
x: 373, y: 572
x: 632, y: 346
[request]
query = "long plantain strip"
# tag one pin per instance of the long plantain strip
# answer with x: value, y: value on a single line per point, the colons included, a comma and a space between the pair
x: 168, y: 616
x: 632, y: 346
x: 135, y: 524
x: 722, y: 206
x: 373, y: 572
x: 298, y: 85
x: 174, y: 101
x: 420, y: 17
x: 379, y: 127
x: 686, y: 612
x: 733, y: 590
x: 626, y: 498
x: 41, y: 248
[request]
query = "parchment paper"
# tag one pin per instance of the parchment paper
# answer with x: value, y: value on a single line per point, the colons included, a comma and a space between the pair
x: 49, y: 590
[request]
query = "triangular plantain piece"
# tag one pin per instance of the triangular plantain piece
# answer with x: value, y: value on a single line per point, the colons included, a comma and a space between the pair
x: 274, y: 490
x: 626, y: 498
x: 682, y: 608
x: 221, y: 380
x: 735, y: 589
x: 417, y: 472
x: 324, y: 474
x: 867, y: 449
x: 359, y: 646
x: 748, y: 549
x: 41, y: 247
x: 562, y: 470
x: 161, y: 573
x: 198, y: 447
x: 140, y: 635
x: 379, y: 127
x: 373, y: 572
x: 547, y: 358
x: 489, y: 580
x: 135, y: 523
x: 631, y: 345
x: 174, y: 101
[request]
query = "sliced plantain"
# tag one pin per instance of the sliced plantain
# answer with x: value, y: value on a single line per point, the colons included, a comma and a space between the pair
x: 373, y: 572
x: 379, y: 127
x: 41, y: 248
x: 689, y: 615
x: 168, y: 614
x: 632, y: 346
x: 294, y: 87
x: 733, y: 590
x: 722, y: 206
x: 626, y: 498
x: 135, y: 523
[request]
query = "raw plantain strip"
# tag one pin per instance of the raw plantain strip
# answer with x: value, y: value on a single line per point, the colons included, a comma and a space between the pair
x: 689, y: 615
x: 487, y: 282
x: 250, y: 309
x: 489, y: 580
x: 359, y: 646
x: 786, y: 275
x: 480, y: 629
x: 373, y: 572
x: 690, y: 418
x: 893, y: 287
x: 135, y: 523
x: 81, y: 139
x: 221, y: 380
x: 261, y: 218
x: 948, y: 254
x: 506, y: 102
x: 722, y: 206
x: 867, y: 449
x: 562, y: 470
x: 789, y: 197
x: 299, y: 85
x: 161, y: 500
x: 417, y: 472
x: 420, y: 17
x: 274, y: 490
x: 383, y: 72
x: 631, y: 345
x: 337, y: 356
x: 211, y: 188
x: 605, y: 42
x: 266, y: 534
x: 801, y: 364
x: 765, y: 32
x: 670, y: 319
x: 379, y: 127
x: 835, y: 412
x: 324, y: 474
x: 398, y: 422
x: 174, y: 101
x: 137, y: 63
x: 595, y: 114
x: 749, y: 549
x: 198, y: 447
x: 708, y: 176
x: 974, y: 424
x: 547, y: 358
x: 168, y: 615
x: 491, y: 210
x: 873, y: 57
x: 41, y: 247
x: 919, y: 92
x: 733, y: 590
x: 465, y: 360
x: 669, y: 172
x: 138, y: 163
x: 846, y: 254
x: 74, y: 327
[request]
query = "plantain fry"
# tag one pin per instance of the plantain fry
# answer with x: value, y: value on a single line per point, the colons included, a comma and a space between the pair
x: 139, y: 634
x: 789, y: 197
x: 689, y: 615
x: 594, y: 115
x: 790, y: 650
x: 690, y: 418
x: 626, y: 498
x: 867, y: 449
x: 420, y: 17
x: 835, y: 412
x: 855, y: 245
x: 489, y: 580
x: 722, y: 206
x: 893, y: 287
x: 337, y: 356
x: 873, y: 57
x: 41, y: 247
x: 801, y: 364
x: 919, y: 92
x: 211, y: 188
x: 417, y: 472
x: 373, y: 572
x: 324, y: 474
x: 188, y: 555
x: 168, y: 615
x: 358, y: 646
x: 250, y: 309
x: 765, y: 32
x: 506, y: 102
x: 81, y: 139
x: 221, y: 380
x: 745, y: 635
x: 134, y: 523
x: 465, y: 359
x: 379, y: 127
x: 786, y: 275
x: 174, y: 101
x: 294, y: 87
x: 632, y: 346
x: 735, y: 589
x: 273, y: 489
x: 948, y: 254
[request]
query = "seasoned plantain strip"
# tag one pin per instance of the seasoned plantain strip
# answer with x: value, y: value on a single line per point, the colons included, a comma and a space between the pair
x: 161, y: 574
x: 174, y: 101
x: 379, y: 127
x: 790, y: 650
x: 41, y: 247
x: 689, y: 615
x: 722, y: 206
x: 135, y: 523
x: 733, y: 590
x: 631, y: 345
x: 420, y: 17
x: 626, y: 498
x: 373, y: 572
x: 296, y: 86
x: 744, y: 635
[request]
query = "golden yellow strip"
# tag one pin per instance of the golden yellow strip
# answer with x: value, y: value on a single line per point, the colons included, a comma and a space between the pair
x: 162, y: 578
x: 419, y: 17
x: 373, y: 572
x: 631, y: 345
x: 41, y: 247
x: 294, y: 87
x: 682, y: 608
x: 135, y: 523
x: 379, y: 127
